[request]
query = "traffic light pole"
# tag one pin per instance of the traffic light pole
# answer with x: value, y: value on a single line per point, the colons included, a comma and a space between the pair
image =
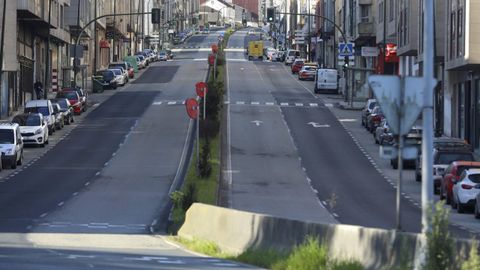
x: 77, y: 41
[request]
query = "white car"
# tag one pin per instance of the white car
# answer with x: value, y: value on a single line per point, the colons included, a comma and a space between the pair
x: 291, y: 55
x: 44, y: 107
x: 119, y: 77
x: 11, y: 145
x: 33, y: 128
x: 465, y: 190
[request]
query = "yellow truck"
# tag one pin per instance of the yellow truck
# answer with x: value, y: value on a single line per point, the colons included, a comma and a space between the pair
x: 255, y: 50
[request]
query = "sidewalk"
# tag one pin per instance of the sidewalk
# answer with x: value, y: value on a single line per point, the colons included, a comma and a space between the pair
x: 411, y: 190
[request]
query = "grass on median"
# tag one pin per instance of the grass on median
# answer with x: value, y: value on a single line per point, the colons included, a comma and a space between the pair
x: 310, y: 255
x: 196, y: 189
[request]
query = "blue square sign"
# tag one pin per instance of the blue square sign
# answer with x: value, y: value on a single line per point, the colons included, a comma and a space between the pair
x: 345, y: 49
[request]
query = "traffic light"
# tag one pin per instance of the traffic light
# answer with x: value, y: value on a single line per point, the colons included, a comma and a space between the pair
x: 155, y: 15
x: 270, y: 14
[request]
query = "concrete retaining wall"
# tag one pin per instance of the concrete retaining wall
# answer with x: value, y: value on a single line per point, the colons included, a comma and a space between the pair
x: 236, y: 231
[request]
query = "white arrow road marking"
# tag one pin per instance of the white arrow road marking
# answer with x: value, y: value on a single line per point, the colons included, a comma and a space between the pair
x: 317, y: 125
x: 257, y: 122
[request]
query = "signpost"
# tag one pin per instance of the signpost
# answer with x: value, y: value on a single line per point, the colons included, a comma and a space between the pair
x: 345, y: 49
x: 201, y: 89
x: 401, y: 101
x: 191, y: 105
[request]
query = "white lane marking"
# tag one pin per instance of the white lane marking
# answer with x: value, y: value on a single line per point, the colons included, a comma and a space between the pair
x: 157, y: 103
x: 347, y: 120
x: 172, y: 103
x: 269, y: 103
x: 329, y: 105
x: 313, y: 104
x: 255, y: 103
x: 60, y: 204
x: 257, y: 122
x: 43, y: 215
x: 240, y: 103
x: 335, y: 215
x: 284, y: 104
x: 299, y: 104
x: 226, y: 264
x: 87, y: 183
x: 172, y: 262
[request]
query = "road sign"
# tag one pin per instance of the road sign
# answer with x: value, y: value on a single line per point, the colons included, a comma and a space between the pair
x: 191, y: 105
x: 369, y: 51
x: 401, y: 101
x: 351, y: 60
x: 345, y: 49
x: 201, y: 88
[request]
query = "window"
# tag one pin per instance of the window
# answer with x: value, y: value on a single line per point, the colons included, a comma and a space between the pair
x: 460, y: 32
x: 392, y: 10
x: 364, y: 13
x: 452, y: 35
x: 380, y: 12
x: 62, y: 18
x: 422, y: 20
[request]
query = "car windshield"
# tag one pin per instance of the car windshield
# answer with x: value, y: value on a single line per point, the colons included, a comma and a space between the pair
x: 33, y: 120
x: 70, y: 95
x: 449, y: 157
x: 7, y: 136
x: 63, y: 103
x: 460, y: 169
x: 43, y: 110
x: 117, y: 71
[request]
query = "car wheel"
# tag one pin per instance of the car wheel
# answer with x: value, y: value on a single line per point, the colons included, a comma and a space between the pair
x: 71, y: 119
x: 476, y: 211
x: 14, y: 164
x: 20, y: 161
x: 460, y: 207
x: 453, y: 204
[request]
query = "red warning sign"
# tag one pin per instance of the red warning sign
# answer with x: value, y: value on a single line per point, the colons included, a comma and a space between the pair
x: 201, y: 88
x: 192, y: 107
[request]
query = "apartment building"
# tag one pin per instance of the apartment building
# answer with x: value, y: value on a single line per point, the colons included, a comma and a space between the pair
x: 462, y: 70
x: 387, y: 38
x: 9, y: 62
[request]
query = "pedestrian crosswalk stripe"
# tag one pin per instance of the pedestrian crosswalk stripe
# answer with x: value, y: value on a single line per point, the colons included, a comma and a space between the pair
x: 250, y: 103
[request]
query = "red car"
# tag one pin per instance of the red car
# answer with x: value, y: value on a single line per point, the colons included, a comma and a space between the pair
x: 73, y: 98
x: 297, y: 65
x: 452, y: 175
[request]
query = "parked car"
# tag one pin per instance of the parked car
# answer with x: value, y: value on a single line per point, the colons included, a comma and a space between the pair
x: 269, y: 53
x: 452, y: 175
x: 465, y: 190
x: 412, y: 139
x: 367, y: 110
x: 297, y: 65
x: 381, y: 131
x: 11, y: 145
x: 74, y: 100
x: 140, y: 62
x: 59, y: 116
x: 291, y: 55
x: 374, y: 119
x: 44, y: 107
x: 82, y: 95
x: 108, y: 78
x: 280, y: 56
x: 123, y: 66
x: 326, y: 80
x: 33, y: 128
x: 162, y: 55
x: 446, y: 151
x: 143, y: 61
x: 170, y: 54
x: 307, y: 73
x: 119, y: 77
x: 66, y: 108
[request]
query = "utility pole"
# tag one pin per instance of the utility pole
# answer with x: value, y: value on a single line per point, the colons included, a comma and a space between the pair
x: 3, y: 41
x: 47, y: 54
x: 427, y: 140
x: 384, y: 33
x: 75, y: 59
x: 114, y: 30
x: 309, y: 52
x: 95, y: 40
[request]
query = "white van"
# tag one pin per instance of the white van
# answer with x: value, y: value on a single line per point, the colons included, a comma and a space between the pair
x: 326, y: 80
x: 11, y: 145
x: 291, y: 56
x: 44, y: 107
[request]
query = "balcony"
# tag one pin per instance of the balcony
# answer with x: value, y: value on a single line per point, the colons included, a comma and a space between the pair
x: 60, y: 34
x: 32, y: 9
x: 365, y: 29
